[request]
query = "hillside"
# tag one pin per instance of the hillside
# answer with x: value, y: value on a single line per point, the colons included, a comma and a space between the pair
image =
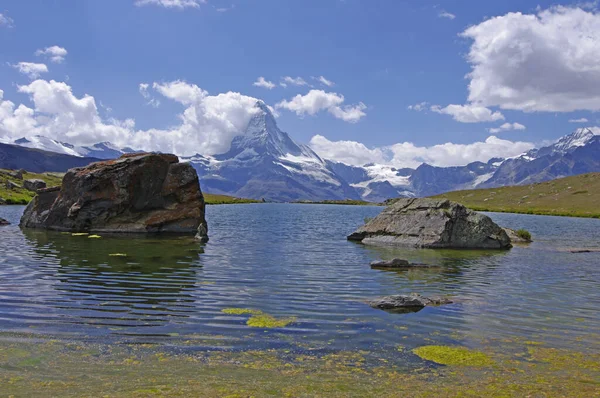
x: 576, y: 196
x: 21, y: 195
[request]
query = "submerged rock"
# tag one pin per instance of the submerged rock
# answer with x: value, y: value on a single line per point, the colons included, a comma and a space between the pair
x: 398, y: 263
x: 145, y: 192
x: 34, y: 184
x: 407, y: 303
x: 3, y: 222
x: 432, y: 223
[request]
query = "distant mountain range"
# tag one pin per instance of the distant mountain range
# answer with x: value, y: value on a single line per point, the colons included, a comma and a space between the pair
x: 264, y: 162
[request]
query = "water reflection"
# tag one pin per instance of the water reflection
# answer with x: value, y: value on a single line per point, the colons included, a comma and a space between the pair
x: 120, y: 281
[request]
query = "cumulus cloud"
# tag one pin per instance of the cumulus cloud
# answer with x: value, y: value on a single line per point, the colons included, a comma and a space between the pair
x: 294, y: 81
x: 581, y: 120
x: 56, y: 54
x: 319, y: 100
x: 207, y: 124
x: 261, y: 82
x: 407, y: 154
x: 548, y: 61
x: 30, y: 69
x: 469, y: 113
x: 180, y: 4
x: 506, y: 127
x: 324, y: 81
x: 6, y: 21
x: 445, y: 14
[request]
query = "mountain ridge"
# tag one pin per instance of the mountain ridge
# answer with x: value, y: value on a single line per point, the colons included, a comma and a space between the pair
x: 264, y: 162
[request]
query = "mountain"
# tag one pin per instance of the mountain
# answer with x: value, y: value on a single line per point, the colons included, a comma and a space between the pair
x: 264, y: 162
x: 576, y: 153
x: 39, y: 161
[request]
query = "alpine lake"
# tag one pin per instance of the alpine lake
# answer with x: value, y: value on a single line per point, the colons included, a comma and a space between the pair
x: 274, y: 305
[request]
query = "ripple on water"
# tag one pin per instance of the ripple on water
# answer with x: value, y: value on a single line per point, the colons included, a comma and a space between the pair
x: 294, y: 261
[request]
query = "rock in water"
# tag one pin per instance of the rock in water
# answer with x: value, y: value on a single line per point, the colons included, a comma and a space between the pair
x: 399, y: 264
x: 514, y: 236
x: 144, y: 192
x: 432, y: 223
x: 410, y: 303
x: 34, y: 184
x: 3, y: 222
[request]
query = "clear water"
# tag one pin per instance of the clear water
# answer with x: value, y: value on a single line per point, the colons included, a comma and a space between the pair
x: 294, y: 261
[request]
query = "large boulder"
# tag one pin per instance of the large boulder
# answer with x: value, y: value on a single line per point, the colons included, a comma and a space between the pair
x: 432, y: 223
x: 34, y: 184
x: 145, y: 192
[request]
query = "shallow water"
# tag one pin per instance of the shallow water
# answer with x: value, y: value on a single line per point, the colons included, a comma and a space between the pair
x: 294, y: 261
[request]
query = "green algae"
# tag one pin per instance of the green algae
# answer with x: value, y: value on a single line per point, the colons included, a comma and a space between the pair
x: 267, y: 321
x: 94, y: 237
x: 241, y: 311
x: 454, y: 356
x: 80, y: 369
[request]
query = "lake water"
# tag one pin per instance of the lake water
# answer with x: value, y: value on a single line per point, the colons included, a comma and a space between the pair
x: 294, y: 261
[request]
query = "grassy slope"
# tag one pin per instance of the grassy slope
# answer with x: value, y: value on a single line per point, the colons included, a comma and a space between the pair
x: 21, y: 195
x: 576, y: 196
x: 211, y: 199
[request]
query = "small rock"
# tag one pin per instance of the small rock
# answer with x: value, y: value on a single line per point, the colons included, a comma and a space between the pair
x: 34, y: 184
x: 411, y: 303
x: 3, y: 222
x: 399, y: 263
x: 585, y: 251
x: 11, y: 185
x: 202, y: 234
x: 514, y: 237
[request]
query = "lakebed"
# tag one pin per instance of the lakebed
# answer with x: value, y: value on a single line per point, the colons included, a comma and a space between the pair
x: 143, y: 316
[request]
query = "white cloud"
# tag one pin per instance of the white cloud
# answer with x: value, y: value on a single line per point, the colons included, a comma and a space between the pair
x: 445, y: 14
x: 469, y: 113
x: 324, y: 81
x: 318, y: 100
x: 30, y: 69
x: 294, y: 81
x: 548, y: 61
x: 421, y: 106
x: 207, y: 124
x: 225, y: 9
x: 6, y: 21
x: 56, y: 54
x: 581, y: 120
x: 153, y: 102
x: 261, y: 82
x: 180, y: 4
x: 506, y: 127
x: 407, y: 154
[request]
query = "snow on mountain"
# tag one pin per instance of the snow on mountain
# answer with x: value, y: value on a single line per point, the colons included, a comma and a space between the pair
x: 47, y: 144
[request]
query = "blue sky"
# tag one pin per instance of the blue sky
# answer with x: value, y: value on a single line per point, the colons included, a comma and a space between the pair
x: 382, y: 56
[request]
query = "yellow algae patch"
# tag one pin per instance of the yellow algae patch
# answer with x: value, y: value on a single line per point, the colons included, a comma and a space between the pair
x: 241, y: 311
x: 94, y: 237
x: 118, y: 255
x: 457, y: 356
x: 268, y: 321
x: 80, y: 234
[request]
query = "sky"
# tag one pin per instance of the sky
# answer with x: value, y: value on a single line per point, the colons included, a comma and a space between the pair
x: 396, y: 82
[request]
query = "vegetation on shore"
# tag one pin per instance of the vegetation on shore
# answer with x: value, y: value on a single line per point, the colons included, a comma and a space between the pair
x: 20, y: 195
x: 576, y: 196
x: 349, y: 202
x: 211, y: 199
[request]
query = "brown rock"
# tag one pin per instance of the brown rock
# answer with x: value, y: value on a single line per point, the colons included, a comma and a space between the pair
x: 143, y: 192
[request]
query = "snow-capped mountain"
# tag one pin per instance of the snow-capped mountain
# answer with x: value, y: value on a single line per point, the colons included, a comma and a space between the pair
x: 265, y: 162
x: 102, y: 150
